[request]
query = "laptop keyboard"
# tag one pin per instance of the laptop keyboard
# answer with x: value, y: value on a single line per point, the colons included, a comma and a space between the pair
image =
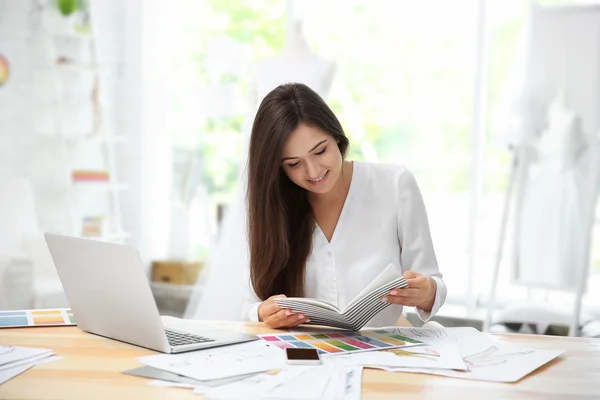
x: 180, y: 338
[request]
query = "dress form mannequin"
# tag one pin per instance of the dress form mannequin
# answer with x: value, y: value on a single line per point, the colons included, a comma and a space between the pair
x: 219, y: 294
x: 296, y: 63
x: 555, y: 212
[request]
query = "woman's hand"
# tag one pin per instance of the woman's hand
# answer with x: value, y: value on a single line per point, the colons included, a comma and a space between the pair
x: 419, y: 293
x: 274, y: 316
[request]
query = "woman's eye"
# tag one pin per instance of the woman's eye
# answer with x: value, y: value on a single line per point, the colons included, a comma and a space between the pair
x: 294, y: 165
x: 322, y: 151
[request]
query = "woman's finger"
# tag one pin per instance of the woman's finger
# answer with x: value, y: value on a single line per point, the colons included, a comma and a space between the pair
x: 410, y: 275
x: 417, y: 281
x: 404, y: 301
x: 406, y: 292
x: 271, y: 308
x: 282, y: 319
x: 276, y: 317
x: 294, y: 320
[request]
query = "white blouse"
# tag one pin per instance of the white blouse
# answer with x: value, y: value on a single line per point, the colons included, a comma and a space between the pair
x: 383, y: 221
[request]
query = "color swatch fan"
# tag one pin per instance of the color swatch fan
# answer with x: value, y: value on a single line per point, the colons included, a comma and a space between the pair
x: 45, y: 317
x: 341, y: 342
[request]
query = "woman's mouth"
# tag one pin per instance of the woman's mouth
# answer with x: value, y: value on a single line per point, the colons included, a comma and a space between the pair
x: 320, y: 180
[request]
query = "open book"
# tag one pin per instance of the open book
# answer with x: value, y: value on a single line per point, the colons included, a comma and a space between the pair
x: 358, y: 312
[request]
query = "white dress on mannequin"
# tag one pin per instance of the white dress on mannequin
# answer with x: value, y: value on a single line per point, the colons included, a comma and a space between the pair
x: 552, y: 243
x: 220, y: 294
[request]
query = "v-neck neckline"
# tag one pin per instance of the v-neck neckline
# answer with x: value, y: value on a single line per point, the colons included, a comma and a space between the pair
x: 344, y: 207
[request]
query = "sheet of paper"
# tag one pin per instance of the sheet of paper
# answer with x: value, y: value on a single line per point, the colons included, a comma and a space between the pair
x: 219, y: 362
x: 9, y: 373
x: 467, y: 340
x: 166, y: 376
x: 497, y: 364
x: 345, y: 383
x: 255, y: 386
x: 10, y: 355
x: 486, y: 359
x: 159, y: 383
x: 440, y: 355
x: 310, y: 385
x: 31, y: 360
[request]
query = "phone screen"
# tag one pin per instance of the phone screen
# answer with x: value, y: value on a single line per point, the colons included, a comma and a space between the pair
x: 301, y: 354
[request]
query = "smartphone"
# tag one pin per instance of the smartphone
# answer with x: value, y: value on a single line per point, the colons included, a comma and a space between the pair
x: 302, y: 356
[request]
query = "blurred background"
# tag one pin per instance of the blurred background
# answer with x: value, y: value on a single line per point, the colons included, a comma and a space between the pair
x: 127, y: 121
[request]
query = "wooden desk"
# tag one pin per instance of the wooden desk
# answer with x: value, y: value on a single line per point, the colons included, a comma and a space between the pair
x: 92, y: 365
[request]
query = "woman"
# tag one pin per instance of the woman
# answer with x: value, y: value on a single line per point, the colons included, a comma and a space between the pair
x: 323, y: 227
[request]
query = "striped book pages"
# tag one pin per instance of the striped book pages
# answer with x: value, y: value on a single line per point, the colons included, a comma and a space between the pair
x: 357, y: 313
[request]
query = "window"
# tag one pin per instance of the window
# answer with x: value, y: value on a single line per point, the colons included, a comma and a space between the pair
x: 404, y: 92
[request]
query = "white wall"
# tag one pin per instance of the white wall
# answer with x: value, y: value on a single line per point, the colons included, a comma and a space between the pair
x: 24, y: 151
x: 136, y: 86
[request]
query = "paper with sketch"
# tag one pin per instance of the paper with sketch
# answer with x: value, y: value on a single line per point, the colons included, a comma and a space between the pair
x: 219, y: 362
x: 440, y: 355
x: 307, y: 386
x: 11, y: 356
x: 485, y: 358
x: 166, y: 376
x: 345, y: 382
x: 255, y: 387
x: 332, y: 380
x: 9, y: 373
x: 170, y: 384
x: 17, y: 368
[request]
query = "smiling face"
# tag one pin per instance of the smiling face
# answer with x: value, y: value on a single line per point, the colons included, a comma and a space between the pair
x: 311, y: 159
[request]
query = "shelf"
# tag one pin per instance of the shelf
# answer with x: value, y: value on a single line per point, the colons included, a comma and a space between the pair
x: 116, y: 236
x: 98, y: 138
x: 73, y: 67
x: 172, y: 290
x: 100, y: 186
x: 110, y: 237
x: 72, y: 35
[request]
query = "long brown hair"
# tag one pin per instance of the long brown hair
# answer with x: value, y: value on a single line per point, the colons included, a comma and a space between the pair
x: 280, y: 219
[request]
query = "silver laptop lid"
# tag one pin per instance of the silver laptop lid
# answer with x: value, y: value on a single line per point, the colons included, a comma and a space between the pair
x: 108, y: 290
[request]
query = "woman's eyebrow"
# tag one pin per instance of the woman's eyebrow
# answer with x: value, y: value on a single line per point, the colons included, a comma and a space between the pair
x: 315, y: 146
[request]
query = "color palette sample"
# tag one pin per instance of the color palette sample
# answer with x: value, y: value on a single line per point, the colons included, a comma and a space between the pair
x: 45, y: 317
x: 335, y: 343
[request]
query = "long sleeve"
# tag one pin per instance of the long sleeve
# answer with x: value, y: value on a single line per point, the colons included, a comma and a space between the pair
x: 251, y: 303
x: 417, y: 252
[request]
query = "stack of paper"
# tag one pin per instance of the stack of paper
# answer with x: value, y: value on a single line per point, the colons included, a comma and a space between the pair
x: 252, y: 370
x: 257, y: 370
x: 14, y: 360
x: 481, y: 358
x: 455, y: 352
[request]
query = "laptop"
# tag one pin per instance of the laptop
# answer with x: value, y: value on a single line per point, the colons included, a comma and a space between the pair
x: 110, y: 296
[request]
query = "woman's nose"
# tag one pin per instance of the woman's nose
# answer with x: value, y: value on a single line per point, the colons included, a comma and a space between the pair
x: 312, y: 170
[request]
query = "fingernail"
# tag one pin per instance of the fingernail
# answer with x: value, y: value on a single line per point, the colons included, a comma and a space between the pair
x: 288, y: 312
x: 394, y: 292
x: 385, y: 299
x: 308, y: 320
x: 300, y: 316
